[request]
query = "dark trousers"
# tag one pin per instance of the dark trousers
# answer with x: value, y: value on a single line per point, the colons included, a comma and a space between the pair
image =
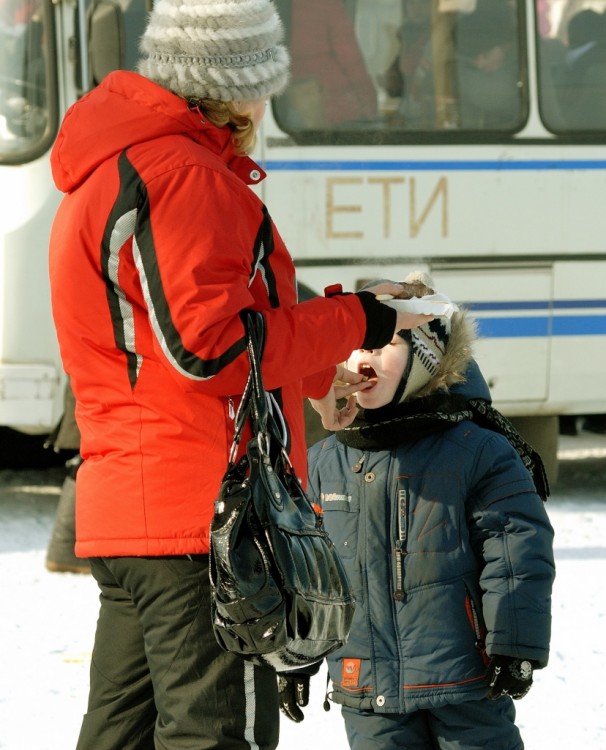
x: 158, y: 678
x: 472, y: 725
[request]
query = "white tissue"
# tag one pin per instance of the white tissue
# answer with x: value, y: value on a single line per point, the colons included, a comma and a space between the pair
x: 432, y: 304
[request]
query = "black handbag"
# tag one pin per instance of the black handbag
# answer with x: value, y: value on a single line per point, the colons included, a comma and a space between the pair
x: 280, y: 595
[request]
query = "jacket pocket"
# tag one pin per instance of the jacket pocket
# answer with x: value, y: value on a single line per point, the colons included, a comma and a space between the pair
x: 341, y: 521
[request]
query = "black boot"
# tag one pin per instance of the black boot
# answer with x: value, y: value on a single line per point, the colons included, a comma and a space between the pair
x: 60, y: 556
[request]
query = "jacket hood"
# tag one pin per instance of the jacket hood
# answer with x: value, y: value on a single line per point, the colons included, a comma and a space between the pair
x: 126, y: 109
x: 474, y: 386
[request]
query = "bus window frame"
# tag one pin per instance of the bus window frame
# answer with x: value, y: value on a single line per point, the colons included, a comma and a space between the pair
x: 42, y: 144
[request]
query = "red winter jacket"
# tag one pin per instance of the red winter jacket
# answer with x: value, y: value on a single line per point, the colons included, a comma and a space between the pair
x: 156, y: 248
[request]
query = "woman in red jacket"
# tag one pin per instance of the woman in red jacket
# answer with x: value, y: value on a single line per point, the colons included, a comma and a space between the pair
x: 157, y: 247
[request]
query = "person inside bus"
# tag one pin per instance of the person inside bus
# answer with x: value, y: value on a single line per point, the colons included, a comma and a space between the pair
x: 330, y: 86
x: 582, y: 84
x: 158, y: 246
x: 488, y: 67
x: 443, y: 533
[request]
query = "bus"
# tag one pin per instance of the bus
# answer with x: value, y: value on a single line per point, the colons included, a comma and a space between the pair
x: 465, y: 138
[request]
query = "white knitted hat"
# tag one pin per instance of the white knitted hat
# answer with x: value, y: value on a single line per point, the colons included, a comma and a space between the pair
x: 225, y: 50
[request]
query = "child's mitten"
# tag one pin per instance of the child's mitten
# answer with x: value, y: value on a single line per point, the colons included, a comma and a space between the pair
x: 509, y: 676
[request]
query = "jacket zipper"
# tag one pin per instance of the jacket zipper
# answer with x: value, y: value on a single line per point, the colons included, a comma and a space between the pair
x: 400, y: 551
x: 474, y: 620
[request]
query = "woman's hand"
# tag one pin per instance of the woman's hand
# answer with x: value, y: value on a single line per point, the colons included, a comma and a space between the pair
x: 345, y: 385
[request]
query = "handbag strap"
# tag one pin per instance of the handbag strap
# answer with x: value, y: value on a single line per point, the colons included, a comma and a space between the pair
x: 255, y: 342
x: 260, y: 406
x: 257, y: 404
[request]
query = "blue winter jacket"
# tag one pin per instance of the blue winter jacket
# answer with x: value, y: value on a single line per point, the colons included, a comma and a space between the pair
x: 449, y: 552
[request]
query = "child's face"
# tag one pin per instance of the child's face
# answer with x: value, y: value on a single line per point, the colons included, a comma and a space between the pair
x: 385, y: 367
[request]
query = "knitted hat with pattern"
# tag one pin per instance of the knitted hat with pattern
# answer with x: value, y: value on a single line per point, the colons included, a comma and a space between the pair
x: 441, y: 350
x: 428, y: 347
x: 225, y: 50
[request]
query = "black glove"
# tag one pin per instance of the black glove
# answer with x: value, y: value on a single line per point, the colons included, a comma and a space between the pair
x: 293, y: 689
x: 509, y: 676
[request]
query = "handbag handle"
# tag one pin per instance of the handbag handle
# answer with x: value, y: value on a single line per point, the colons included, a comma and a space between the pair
x: 255, y: 342
x: 257, y: 404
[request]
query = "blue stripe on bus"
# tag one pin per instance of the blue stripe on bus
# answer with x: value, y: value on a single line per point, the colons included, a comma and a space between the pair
x: 566, y: 304
x: 496, y: 328
x: 455, y: 165
x: 542, y: 326
x: 584, y: 325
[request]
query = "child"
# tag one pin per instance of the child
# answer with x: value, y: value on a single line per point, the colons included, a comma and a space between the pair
x: 447, y: 544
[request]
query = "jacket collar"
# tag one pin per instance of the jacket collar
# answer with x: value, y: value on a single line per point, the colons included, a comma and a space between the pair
x: 219, y: 140
x: 134, y: 110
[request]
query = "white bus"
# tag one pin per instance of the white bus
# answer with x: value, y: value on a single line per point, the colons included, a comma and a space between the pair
x: 463, y: 137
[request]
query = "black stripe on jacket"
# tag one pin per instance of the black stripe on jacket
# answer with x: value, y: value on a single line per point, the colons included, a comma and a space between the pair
x: 129, y: 217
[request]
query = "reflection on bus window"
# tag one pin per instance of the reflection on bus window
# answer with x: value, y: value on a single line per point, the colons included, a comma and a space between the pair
x: 572, y: 64
x: 488, y: 67
x: 403, y: 65
x: 330, y: 85
x: 23, y: 93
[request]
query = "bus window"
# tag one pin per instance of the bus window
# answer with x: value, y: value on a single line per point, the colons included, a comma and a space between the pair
x: 572, y: 64
x: 27, y: 111
x: 368, y: 71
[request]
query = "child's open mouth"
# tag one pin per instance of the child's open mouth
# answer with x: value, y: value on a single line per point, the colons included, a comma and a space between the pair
x: 369, y: 373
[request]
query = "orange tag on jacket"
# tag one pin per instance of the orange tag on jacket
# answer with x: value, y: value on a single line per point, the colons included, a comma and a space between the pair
x: 350, y: 676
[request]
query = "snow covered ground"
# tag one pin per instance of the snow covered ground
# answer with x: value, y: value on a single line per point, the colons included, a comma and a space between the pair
x: 47, y: 622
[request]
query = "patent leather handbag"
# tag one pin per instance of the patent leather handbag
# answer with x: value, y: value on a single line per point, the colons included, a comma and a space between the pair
x: 280, y: 595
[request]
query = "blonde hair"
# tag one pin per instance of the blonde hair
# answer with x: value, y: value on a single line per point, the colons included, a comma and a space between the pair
x: 224, y: 114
